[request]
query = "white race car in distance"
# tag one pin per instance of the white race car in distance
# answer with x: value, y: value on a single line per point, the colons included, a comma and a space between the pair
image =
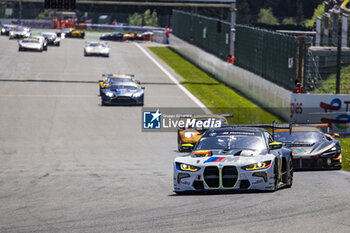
x: 31, y: 44
x: 96, y: 49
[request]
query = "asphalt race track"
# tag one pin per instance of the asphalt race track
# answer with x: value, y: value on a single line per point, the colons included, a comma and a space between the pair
x: 69, y: 165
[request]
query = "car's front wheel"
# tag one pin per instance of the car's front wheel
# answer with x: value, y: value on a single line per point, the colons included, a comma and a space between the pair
x: 179, y: 145
x: 275, y: 177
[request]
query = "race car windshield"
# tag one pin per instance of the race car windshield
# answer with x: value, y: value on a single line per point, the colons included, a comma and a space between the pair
x: 116, y: 80
x: 30, y: 41
x: 18, y: 29
x: 124, y: 87
x: 231, y: 142
x: 96, y: 45
x: 298, y: 136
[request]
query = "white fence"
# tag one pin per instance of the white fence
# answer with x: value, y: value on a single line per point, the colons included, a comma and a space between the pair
x: 255, y: 87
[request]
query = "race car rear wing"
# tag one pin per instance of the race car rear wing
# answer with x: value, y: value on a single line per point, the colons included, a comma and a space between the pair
x: 272, y: 126
x: 130, y: 75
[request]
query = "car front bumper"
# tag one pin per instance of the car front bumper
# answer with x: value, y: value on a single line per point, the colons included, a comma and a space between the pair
x: 222, y: 178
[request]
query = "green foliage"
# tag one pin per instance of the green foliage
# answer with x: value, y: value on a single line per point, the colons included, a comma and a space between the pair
x: 42, y: 14
x: 345, y: 149
x: 317, y: 13
x: 146, y: 19
x: 135, y: 19
x: 2, y: 11
x: 328, y: 86
x: 212, y: 93
x: 288, y: 21
x: 266, y: 16
x: 150, y: 19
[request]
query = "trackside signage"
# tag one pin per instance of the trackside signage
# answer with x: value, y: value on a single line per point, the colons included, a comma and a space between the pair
x: 331, y: 109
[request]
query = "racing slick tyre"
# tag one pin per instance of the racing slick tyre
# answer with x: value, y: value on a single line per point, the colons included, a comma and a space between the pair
x: 102, y: 103
x: 290, y: 170
x: 275, y: 177
x: 179, y: 147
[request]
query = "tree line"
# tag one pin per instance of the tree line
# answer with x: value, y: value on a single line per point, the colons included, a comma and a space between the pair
x: 277, y: 11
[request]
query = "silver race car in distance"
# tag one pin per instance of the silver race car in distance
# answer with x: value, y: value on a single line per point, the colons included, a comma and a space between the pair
x: 96, y: 49
x: 30, y: 44
x: 234, y: 158
x: 51, y: 38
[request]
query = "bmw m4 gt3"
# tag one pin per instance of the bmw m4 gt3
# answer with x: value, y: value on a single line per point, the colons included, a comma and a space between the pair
x: 234, y: 158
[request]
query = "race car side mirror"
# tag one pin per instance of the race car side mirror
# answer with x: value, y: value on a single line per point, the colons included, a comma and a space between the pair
x: 275, y: 145
x: 336, y: 135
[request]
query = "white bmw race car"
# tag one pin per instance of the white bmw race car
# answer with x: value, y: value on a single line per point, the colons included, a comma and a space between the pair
x: 96, y: 49
x: 32, y: 44
x: 234, y: 158
x: 19, y: 32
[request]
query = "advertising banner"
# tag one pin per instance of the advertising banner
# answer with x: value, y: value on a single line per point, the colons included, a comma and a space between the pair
x: 332, y: 109
x: 32, y: 23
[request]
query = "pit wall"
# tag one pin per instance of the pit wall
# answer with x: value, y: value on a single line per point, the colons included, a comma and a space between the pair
x: 275, y: 98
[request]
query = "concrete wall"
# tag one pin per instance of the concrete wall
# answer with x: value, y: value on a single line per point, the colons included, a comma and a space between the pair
x: 267, y: 94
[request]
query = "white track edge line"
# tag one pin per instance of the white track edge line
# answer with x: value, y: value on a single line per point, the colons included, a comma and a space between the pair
x: 172, y: 78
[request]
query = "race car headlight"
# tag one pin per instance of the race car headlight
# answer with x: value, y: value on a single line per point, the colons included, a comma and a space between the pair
x: 3, y: 29
x: 257, y: 166
x: 188, y: 134
x: 109, y: 94
x: 137, y: 94
x: 187, y: 167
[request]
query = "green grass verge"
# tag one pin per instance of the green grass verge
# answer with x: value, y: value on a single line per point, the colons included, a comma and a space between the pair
x: 345, y: 147
x: 220, y: 98
x: 215, y: 95
x: 328, y: 85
